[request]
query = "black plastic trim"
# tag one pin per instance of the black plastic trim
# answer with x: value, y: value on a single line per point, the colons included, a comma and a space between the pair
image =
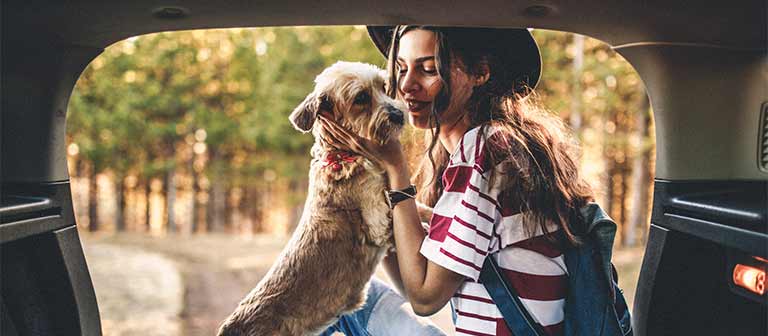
x: 28, y: 209
x: 70, y: 247
x: 762, y: 140
x: 7, y: 328
x: 699, y: 229
x: 657, y: 238
x: 727, y: 212
x: 46, y: 286
x: 748, y: 241
x: 741, y: 204
x: 30, y: 227
x: 13, y: 205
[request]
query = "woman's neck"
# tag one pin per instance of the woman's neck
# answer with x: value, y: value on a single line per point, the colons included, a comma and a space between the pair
x: 451, y: 133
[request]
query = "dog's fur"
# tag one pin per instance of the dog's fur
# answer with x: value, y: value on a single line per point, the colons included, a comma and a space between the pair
x: 324, y: 270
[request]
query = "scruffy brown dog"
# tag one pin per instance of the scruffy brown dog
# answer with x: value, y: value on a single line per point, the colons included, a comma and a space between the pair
x: 324, y: 270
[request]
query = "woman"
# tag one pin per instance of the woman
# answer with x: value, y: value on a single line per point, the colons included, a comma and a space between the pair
x: 498, y: 174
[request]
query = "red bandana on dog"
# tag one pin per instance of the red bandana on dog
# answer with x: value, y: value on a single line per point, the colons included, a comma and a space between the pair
x: 335, y: 159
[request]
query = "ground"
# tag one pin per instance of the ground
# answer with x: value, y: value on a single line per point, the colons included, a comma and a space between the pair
x: 186, y: 285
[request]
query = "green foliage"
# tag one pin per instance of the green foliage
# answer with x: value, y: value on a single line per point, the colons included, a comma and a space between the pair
x: 147, y: 99
x: 608, y: 83
x: 146, y: 96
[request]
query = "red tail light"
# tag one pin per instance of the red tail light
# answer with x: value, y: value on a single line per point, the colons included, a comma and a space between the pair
x: 750, y: 278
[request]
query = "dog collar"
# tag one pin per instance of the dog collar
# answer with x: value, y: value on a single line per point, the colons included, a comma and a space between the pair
x: 335, y: 159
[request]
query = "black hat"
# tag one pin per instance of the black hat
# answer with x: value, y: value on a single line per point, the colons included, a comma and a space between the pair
x: 513, y: 46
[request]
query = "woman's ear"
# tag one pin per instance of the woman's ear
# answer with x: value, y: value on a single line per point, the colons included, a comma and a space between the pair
x: 483, y: 74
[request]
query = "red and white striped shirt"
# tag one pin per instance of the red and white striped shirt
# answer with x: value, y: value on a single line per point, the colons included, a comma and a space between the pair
x: 469, y: 222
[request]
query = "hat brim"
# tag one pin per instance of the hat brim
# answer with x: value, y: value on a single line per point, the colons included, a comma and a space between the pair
x: 517, y: 44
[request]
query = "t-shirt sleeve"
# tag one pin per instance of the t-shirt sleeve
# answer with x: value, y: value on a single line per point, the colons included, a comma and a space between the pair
x: 462, y: 224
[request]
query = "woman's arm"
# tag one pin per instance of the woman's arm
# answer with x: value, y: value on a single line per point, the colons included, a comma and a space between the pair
x: 393, y: 271
x: 390, y: 260
x: 427, y: 285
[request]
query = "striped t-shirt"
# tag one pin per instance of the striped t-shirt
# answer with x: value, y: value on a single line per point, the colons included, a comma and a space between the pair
x: 472, y: 220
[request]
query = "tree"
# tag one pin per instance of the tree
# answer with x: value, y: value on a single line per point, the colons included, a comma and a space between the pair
x: 206, y: 113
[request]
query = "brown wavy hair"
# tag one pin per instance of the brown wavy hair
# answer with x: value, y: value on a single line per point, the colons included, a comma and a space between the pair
x: 533, y: 150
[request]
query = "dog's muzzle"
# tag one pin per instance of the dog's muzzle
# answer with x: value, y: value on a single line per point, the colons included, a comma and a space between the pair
x: 395, y: 115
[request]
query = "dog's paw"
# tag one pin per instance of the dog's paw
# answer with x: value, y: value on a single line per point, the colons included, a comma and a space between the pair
x: 338, y: 333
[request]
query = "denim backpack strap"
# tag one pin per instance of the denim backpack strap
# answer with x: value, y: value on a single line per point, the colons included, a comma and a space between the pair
x: 594, y: 305
x: 515, y: 315
x: 602, y: 230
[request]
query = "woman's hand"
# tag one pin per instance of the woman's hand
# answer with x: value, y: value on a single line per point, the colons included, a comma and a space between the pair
x: 425, y: 214
x: 389, y: 155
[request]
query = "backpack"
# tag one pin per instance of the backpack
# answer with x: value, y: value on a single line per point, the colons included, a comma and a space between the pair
x: 594, y: 304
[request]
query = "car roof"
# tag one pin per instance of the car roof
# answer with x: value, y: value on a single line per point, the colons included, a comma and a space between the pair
x: 703, y: 63
x: 735, y: 24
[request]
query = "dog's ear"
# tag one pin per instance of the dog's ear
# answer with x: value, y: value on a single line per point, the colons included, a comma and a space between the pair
x: 304, y: 115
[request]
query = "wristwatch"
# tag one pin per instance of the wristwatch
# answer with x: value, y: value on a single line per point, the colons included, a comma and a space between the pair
x: 396, y: 196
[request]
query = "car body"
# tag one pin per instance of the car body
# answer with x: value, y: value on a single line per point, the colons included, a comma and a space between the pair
x: 704, y: 64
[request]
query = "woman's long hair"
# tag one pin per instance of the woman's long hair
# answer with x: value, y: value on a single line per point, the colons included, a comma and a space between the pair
x: 533, y: 145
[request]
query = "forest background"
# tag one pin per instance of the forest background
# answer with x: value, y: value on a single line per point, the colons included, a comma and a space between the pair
x: 187, y: 133
x: 187, y: 177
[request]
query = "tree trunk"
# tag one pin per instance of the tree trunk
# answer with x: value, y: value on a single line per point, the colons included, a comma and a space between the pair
x: 147, y: 204
x: 623, y: 193
x: 266, y: 206
x: 170, y: 198
x: 195, y: 193
x: 228, y: 211
x: 250, y: 206
x: 609, y: 197
x: 578, y: 69
x: 93, y: 202
x: 638, y: 211
x: 215, y: 208
x: 79, y: 167
x: 132, y: 204
x: 77, y: 196
x: 120, y: 208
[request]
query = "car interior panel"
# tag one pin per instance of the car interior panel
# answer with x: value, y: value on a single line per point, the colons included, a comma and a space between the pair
x: 704, y: 64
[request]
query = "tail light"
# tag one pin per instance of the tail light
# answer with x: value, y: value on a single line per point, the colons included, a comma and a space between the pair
x: 750, y: 278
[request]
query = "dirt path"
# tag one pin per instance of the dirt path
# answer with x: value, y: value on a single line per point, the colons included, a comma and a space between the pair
x: 217, y: 272
x: 212, y: 294
x: 139, y: 292
x: 214, y: 273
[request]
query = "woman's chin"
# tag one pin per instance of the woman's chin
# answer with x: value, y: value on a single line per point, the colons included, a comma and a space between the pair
x: 418, y: 121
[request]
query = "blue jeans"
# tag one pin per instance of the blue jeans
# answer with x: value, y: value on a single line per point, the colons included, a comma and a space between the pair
x: 385, y: 313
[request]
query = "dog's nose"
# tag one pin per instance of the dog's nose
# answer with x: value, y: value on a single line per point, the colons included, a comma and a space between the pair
x: 395, y: 115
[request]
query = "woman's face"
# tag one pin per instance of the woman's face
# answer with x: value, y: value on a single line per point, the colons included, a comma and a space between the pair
x: 419, y: 82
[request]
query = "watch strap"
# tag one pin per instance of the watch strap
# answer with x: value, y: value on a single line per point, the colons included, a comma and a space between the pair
x: 397, y: 196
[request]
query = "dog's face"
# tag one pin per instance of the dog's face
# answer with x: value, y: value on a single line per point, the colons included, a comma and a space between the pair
x: 353, y: 95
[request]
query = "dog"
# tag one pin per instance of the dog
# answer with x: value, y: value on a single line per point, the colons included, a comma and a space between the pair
x: 346, y: 227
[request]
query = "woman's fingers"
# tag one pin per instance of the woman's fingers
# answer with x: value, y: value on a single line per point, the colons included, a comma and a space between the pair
x: 344, y: 138
x: 330, y: 130
x: 339, y: 135
x: 328, y: 136
x: 390, y: 152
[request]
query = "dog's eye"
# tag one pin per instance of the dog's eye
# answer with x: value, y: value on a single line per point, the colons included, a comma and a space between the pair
x: 362, y: 98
